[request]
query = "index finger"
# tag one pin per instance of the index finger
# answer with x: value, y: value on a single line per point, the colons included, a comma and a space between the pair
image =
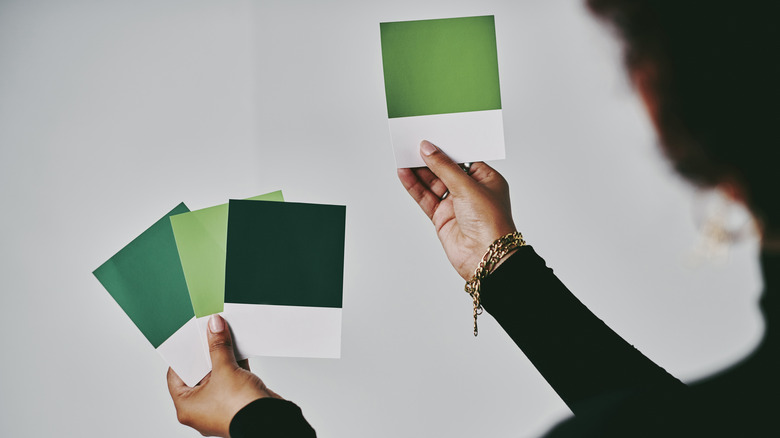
x: 448, y: 171
x: 176, y: 385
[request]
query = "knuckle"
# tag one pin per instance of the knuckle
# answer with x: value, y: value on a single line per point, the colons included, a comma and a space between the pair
x: 183, y: 418
x: 220, y: 344
x: 498, y: 179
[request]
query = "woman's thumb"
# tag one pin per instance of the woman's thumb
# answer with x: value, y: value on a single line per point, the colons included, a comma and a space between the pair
x: 220, y: 344
x: 448, y: 171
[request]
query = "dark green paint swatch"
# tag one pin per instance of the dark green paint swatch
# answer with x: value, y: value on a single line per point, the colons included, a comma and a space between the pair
x: 440, y: 66
x: 146, y: 279
x: 288, y: 254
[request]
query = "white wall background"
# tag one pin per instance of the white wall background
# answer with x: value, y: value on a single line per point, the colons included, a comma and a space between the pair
x: 111, y: 112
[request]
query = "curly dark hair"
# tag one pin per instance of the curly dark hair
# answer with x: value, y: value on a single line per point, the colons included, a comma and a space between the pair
x: 714, y: 73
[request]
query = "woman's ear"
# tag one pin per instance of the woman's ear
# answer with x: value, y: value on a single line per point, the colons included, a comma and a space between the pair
x: 642, y: 77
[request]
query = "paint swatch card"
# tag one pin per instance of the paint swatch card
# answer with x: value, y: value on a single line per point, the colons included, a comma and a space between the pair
x: 284, y: 278
x: 146, y: 280
x: 201, y: 239
x: 441, y: 85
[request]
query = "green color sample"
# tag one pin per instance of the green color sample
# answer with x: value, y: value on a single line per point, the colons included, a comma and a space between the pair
x: 285, y: 254
x: 201, y: 238
x: 146, y: 279
x: 440, y: 66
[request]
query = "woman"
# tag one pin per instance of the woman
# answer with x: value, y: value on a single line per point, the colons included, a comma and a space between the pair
x: 707, y: 72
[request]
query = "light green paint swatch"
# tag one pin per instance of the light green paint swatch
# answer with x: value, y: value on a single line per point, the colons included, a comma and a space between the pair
x: 146, y: 279
x: 440, y: 66
x: 201, y: 239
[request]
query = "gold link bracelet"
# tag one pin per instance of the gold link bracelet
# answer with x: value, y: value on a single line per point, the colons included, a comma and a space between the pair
x: 496, y: 251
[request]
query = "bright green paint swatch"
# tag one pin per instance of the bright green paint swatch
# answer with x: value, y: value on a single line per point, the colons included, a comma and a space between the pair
x: 146, y: 279
x: 285, y: 254
x: 440, y: 66
x: 201, y: 238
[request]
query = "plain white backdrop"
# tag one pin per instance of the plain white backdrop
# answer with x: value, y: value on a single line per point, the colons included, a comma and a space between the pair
x: 112, y: 112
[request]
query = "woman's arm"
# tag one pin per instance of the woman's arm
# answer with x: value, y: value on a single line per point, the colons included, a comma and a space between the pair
x: 578, y: 355
x: 574, y: 350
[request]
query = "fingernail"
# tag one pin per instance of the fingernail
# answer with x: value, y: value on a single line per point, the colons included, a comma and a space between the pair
x: 427, y: 147
x: 216, y: 324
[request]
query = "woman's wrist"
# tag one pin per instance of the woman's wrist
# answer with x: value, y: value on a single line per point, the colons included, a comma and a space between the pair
x: 495, y: 255
x: 503, y: 259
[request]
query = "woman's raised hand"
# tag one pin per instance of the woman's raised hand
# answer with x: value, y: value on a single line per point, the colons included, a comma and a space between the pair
x: 474, y: 214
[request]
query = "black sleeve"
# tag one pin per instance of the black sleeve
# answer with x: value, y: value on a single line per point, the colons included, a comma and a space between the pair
x: 270, y: 418
x: 578, y: 355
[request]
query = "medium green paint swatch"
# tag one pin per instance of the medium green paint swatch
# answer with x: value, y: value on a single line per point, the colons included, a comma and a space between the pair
x: 440, y: 66
x: 201, y: 238
x: 146, y: 279
x: 285, y: 254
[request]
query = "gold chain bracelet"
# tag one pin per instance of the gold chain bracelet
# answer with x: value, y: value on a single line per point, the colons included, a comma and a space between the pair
x: 495, y: 252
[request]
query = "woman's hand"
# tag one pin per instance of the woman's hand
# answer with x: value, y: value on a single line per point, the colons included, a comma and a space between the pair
x: 211, y: 404
x: 474, y: 214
